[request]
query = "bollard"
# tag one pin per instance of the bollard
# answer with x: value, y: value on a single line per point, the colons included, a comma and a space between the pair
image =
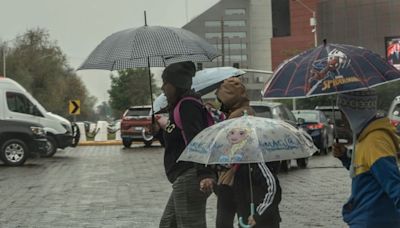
x: 102, y: 133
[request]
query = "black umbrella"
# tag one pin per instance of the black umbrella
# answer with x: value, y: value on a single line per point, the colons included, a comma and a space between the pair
x: 149, y: 46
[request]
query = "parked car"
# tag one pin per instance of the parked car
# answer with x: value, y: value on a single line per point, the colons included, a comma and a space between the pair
x: 337, y: 121
x: 17, y: 104
x: 394, y: 113
x: 136, y: 125
x: 20, y: 140
x: 318, y: 127
x: 276, y: 110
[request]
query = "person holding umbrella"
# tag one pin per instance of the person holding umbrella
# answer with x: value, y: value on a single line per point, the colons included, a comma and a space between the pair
x: 233, y: 183
x: 375, y: 193
x: 186, y: 207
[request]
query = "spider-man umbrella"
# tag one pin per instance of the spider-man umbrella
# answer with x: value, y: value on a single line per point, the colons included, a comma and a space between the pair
x: 329, y: 69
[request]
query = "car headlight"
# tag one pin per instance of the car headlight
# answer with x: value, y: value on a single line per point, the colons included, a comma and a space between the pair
x: 38, y: 131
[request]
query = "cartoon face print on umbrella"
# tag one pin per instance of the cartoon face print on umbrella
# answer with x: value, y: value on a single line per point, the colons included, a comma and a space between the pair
x: 328, y: 67
x: 237, y: 139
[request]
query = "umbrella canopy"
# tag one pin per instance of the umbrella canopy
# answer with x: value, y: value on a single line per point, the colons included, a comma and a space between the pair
x: 208, y: 79
x: 329, y: 69
x: 204, y: 82
x: 248, y: 139
x: 160, y: 103
x: 149, y: 46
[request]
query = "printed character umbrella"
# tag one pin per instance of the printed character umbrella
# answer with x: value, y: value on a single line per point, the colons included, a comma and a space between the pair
x: 248, y: 139
x: 329, y: 69
x: 204, y: 82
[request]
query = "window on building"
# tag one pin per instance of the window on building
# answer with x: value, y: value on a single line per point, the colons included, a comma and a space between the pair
x: 236, y: 58
x: 280, y: 18
x: 231, y: 23
x: 212, y: 23
x: 235, y: 23
x: 210, y: 35
x: 231, y: 46
x: 235, y: 12
x: 235, y: 34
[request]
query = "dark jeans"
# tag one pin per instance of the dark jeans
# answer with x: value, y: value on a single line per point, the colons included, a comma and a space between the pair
x: 226, y: 207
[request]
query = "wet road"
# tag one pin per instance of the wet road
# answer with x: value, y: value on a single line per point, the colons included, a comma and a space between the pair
x: 107, y: 186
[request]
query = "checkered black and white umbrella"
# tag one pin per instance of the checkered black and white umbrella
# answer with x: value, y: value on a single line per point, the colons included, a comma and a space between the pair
x: 154, y: 46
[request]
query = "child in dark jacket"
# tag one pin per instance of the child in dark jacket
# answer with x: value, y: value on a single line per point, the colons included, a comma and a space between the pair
x: 233, y: 190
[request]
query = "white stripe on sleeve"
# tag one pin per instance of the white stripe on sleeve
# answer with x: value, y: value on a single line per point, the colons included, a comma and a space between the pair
x: 271, y: 188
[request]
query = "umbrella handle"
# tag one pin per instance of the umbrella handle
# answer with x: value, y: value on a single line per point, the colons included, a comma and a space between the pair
x: 242, y: 224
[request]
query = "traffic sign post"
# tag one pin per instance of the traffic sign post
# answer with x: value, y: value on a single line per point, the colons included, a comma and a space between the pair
x: 74, y: 107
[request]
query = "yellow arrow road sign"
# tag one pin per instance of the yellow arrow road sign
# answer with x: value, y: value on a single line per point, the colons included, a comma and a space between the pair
x: 74, y: 107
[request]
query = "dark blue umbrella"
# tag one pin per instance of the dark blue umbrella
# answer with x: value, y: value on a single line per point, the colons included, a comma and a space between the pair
x: 329, y: 69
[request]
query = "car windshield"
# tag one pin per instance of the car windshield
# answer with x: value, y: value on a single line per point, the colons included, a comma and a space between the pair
x: 309, y: 117
x: 262, y: 111
x: 138, y: 112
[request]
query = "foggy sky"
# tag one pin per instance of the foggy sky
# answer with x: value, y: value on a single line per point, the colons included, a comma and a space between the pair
x: 79, y: 26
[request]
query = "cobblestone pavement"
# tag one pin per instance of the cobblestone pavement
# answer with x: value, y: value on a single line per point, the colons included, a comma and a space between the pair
x: 107, y: 186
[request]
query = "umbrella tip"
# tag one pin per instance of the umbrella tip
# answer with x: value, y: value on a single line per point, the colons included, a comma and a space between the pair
x: 145, y: 18
x: 324, y: 40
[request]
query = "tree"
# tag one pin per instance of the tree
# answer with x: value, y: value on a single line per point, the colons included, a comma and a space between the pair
x: 39, y: 65
x: 130, y: 88
x: 104, y: 111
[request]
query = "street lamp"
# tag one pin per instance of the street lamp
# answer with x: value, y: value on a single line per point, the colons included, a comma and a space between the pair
x: 4, y: 59
x: 313, y: 20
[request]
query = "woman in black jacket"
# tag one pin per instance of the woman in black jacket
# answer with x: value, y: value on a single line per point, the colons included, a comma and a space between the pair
x: 186, y: 207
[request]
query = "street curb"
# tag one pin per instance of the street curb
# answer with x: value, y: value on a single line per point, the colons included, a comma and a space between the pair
x: 98, y: 143
x: 106, y: 143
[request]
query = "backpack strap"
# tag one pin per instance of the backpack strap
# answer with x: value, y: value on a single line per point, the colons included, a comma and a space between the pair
x: 177, y: 116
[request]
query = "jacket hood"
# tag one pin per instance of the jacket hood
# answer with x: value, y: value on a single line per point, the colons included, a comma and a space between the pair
x: 380, y: 124
x: 232, y: 94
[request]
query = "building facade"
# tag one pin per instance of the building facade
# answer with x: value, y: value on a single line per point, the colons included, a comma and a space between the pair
x: 293, y: 28
x: 371, y: 24
x: 241, y: 30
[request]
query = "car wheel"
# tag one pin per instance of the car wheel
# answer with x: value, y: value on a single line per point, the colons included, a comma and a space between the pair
x: 51, y: 147
x: 127, y: 143
x: 148, y: 143
x: 76, y: 135
x: 285, y: 165
x: 14, y: 152
x: 302, y: 163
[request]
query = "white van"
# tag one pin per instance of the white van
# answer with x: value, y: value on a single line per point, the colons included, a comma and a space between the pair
x: 17, y: 104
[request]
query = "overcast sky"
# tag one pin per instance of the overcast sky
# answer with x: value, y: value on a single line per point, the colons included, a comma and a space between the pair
x: 80, y: 25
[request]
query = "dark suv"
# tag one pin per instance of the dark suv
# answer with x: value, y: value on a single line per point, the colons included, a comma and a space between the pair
x: 136, y: 125
x: 276, y: 110
x: 20, y: 140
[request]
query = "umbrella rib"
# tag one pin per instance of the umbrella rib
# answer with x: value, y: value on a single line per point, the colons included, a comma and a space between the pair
x: 373, y: 66
x: 351, y: 66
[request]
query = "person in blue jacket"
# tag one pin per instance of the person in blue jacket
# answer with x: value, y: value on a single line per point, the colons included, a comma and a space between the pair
x: 372, y: 162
